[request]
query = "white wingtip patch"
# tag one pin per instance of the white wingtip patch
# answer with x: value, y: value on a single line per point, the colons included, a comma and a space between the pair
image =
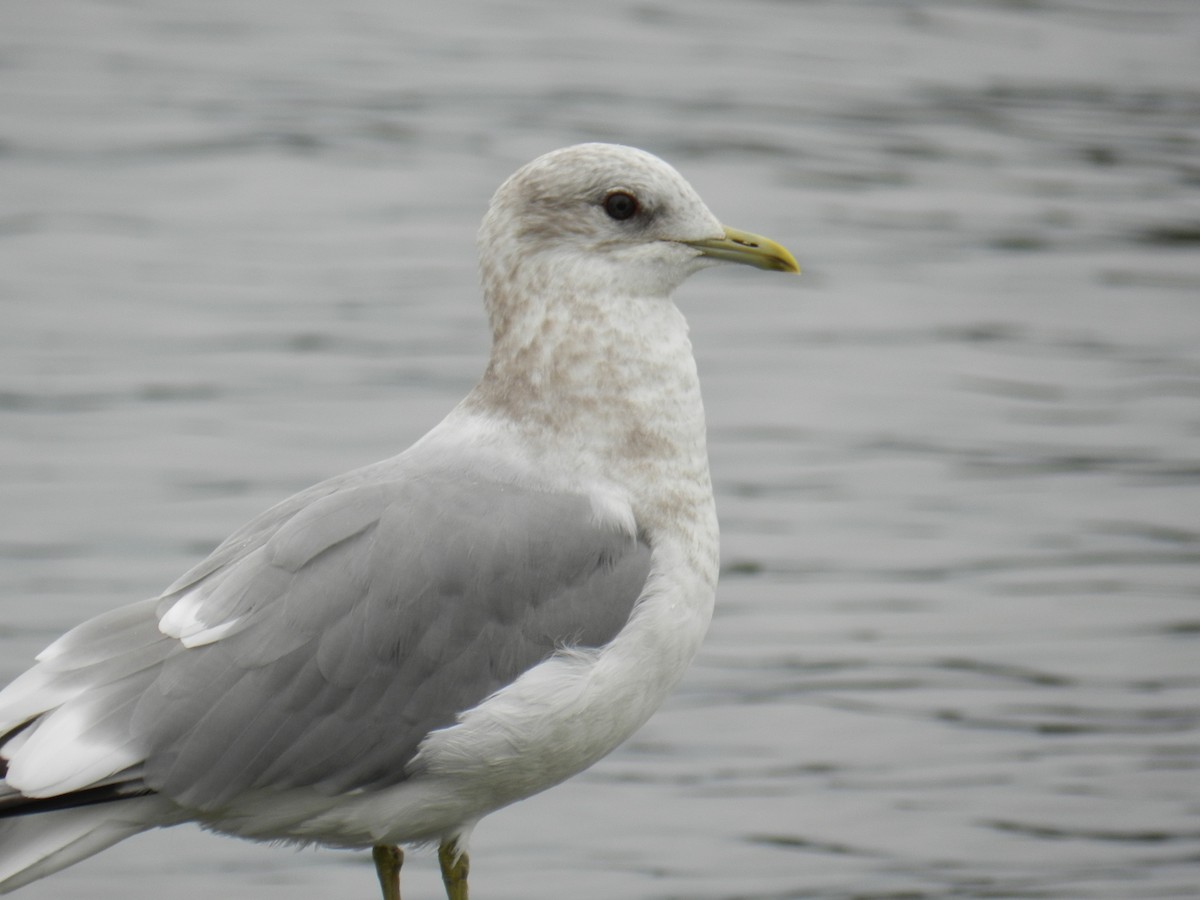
x: 182, y: 622
x: 59, y: 757
x: 31, y: 693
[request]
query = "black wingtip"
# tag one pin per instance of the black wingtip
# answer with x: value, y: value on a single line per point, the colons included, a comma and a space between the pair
x: 20, y: 805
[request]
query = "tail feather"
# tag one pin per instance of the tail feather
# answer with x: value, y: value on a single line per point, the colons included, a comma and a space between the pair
x: 34, y: 846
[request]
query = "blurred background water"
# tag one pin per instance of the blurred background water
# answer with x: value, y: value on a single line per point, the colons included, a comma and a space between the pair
x: 957, y: 650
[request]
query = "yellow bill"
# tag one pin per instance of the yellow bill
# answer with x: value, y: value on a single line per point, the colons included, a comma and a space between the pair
x: 748, y: 249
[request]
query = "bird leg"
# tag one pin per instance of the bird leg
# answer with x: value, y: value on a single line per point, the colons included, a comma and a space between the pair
x: 455, y: 866
x: 388, y: 860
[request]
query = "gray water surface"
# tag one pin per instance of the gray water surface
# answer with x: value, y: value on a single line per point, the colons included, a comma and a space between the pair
x: 957, y: 649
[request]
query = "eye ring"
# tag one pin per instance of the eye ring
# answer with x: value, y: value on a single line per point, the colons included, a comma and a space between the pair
x: 621, y: 205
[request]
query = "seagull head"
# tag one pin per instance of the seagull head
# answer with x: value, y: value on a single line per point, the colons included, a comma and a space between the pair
x: 604, y: 219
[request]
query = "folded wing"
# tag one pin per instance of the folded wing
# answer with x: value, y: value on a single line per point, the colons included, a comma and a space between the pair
x: 319, y: 645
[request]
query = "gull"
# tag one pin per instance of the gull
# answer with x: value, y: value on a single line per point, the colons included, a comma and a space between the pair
x: 390, y: 655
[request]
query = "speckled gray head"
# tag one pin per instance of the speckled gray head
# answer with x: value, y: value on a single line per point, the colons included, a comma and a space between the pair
x: 610, y: 218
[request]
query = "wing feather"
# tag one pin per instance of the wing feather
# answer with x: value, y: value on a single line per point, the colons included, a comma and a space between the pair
x: 319, y: 645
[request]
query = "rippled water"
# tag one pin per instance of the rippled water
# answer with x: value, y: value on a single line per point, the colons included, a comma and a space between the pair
x: 957, y: 651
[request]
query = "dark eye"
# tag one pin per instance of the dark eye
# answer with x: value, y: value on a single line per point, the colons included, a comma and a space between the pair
x: 620, y: 205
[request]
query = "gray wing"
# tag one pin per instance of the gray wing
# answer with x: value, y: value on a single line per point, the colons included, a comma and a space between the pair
x: 371, y: 617
x: 339, y: 629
